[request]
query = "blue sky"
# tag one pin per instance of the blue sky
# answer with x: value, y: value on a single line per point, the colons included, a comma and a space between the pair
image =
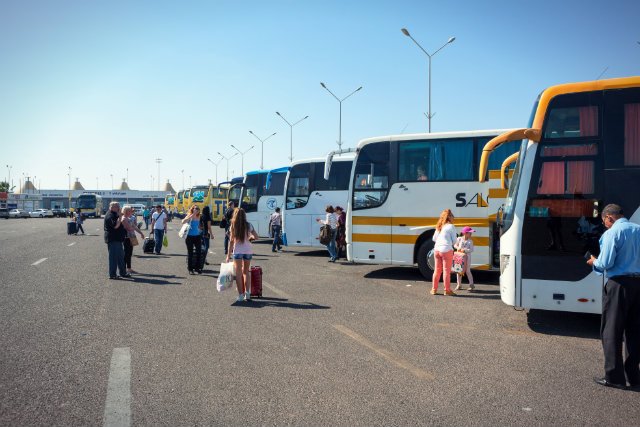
x: 106, y: 86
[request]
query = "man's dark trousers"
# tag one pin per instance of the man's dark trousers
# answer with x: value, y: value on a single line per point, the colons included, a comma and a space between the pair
x: 621, y: 318
x: 158, y: 237
x: 116, y: 258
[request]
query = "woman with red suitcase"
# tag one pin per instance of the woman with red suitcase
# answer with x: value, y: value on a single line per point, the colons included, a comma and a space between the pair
x: 241, y: 234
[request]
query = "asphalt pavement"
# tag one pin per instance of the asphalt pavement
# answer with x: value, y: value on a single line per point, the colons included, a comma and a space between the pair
x: 329, y: 344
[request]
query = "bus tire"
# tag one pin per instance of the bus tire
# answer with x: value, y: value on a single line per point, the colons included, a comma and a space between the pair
x: 423, y: 263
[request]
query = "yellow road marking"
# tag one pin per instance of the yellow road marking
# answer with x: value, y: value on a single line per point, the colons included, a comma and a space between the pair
x: 386, y: 354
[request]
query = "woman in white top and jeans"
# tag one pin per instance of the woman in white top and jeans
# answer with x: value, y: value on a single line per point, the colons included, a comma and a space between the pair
x: 332, y: 220
x: 445, y: 237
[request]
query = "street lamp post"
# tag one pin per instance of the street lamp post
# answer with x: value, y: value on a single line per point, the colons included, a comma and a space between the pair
x: 262, y: 141
x: 451, y: 40
x: 112, y: 181
x: 158, y: 161
x: 69, y: 176
x: 340, y: 102
x: 227, y: 159
x: 182, y: 179
x: 9, y: 179
x: 216, y: 165
x: 242, y: 153
x: 291, y: 134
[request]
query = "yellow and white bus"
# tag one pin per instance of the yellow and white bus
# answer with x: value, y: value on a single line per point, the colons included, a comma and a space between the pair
x: 399, y: 186
x: 209, y: 195
x: 178, y: 201
x: 580, y: 153
x: 170, y: 202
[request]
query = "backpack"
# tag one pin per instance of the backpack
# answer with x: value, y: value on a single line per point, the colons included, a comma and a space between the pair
x: 325, y: 234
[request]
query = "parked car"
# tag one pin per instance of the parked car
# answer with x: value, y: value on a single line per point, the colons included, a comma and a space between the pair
x: 41, y: 213
x: 60, y: 213
x: 17, y: 213
x: 4, y: 213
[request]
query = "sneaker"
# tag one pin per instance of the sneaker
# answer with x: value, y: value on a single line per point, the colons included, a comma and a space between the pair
x: 471, y: 288
x: 450, y: 293
x: 125, y: 276
x: 459, y: 288
x: 434, y: 292
x: 247, y: 296
x: 240, y: 298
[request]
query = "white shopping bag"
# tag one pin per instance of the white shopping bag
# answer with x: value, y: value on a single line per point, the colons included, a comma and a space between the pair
x: 226, y: 277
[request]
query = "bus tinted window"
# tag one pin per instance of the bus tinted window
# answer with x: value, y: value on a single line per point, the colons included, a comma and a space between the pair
x: 371, y: 179
x: 338, y: 178
x: 632, y: 135
x: 436, y: 160
x: 276, y: 186
x: 572, y: 122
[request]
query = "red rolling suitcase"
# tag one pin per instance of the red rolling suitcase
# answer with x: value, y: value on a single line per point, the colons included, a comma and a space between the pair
x: 256, y: 282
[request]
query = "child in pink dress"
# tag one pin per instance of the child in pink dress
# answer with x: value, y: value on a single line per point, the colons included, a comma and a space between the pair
x: 464, y: 244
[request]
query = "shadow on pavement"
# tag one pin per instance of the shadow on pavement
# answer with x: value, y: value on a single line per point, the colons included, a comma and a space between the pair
x: 395, y: 273
x: 478, y: 294
x: 279, y: 303
x: 580, y: 325
x: 318, y: 253
x: 156, y: 279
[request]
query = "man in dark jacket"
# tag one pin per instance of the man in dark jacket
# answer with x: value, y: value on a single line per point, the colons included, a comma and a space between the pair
x: 114, y: 235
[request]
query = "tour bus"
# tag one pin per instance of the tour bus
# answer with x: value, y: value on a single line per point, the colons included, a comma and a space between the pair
x: 401, y: 183
x: 580, y: 152
x: 90, y: 205
x: 179, y: 200
x: 235, y: 189
x: 209, y: 195
x: 186, y: 201
x: 170, y: 202
x: 262, y: 192
x: 307, y: 194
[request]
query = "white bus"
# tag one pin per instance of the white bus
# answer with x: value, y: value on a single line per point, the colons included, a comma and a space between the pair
x: 307, y: 195
x: 263, y: 192
x: 399, y: 186
x: 581, y: 152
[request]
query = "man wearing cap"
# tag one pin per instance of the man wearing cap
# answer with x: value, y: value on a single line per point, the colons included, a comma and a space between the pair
x: 158, y: 227
x: 619, y: 261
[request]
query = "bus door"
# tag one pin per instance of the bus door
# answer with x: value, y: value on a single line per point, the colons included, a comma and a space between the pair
x: 562, y: 220
x: 297, y: 219
x: 332, y: 192
x: 371, y: 214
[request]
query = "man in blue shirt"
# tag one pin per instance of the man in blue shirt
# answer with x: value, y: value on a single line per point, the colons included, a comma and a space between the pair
x: 619, y: 261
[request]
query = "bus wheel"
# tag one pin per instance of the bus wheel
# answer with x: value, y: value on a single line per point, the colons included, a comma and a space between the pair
x: 423, y: 261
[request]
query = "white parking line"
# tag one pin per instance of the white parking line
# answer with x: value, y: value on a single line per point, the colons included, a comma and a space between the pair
x: 117, y: 408
x: 39, y: 261
x: 71, y: 244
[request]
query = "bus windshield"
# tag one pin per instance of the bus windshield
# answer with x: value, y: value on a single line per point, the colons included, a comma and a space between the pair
x: 253, y: 189
x: 298, y: 188
x: 199, y: 193
x: 86, y: 201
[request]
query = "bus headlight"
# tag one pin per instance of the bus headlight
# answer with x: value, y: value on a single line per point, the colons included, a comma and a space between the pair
x: 504, y: 262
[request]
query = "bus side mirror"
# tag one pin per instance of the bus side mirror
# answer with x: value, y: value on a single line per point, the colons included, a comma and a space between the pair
x: 499, y: 216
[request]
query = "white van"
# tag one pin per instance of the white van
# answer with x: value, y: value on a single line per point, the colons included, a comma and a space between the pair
x: 138, y: 208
